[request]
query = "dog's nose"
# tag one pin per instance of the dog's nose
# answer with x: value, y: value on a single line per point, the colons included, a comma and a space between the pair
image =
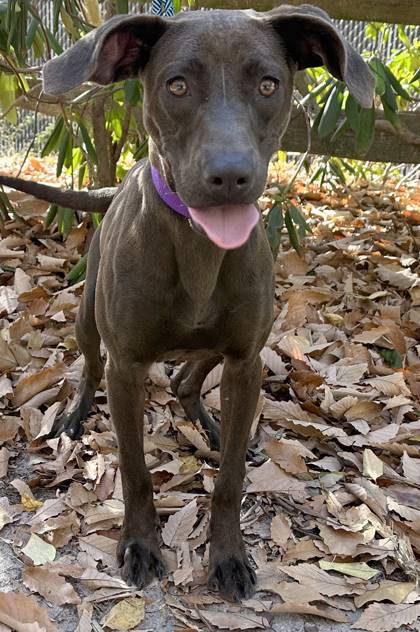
x: 228, y: 175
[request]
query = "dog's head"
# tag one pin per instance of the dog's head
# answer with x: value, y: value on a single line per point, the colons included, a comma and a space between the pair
x: 217, y: 89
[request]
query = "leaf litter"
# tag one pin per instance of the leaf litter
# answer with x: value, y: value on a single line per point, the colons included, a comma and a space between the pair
x: 331, y: 504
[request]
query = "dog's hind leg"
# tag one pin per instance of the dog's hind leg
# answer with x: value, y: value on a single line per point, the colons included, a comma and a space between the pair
x: 186, y: 385
x: 89, y: 344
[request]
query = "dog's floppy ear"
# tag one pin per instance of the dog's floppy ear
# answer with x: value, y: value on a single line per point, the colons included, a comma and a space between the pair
x: 312, y: 40
x: 116, y: 50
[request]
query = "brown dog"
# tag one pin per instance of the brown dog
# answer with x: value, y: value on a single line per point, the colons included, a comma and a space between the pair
x: 217, y: 98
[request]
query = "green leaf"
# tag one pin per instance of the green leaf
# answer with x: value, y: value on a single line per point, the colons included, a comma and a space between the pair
x: 122, y: 6
x: 51, y: 215
x: 52, y: 141
x: 82, y: 173
x: 6, y: 206
x: 88, y: 143
x: 392, y: 357
x: 352, y: 110
x: 8, y: 96
x: 366, y: 131
x: 53, y: 42
x: 132, y: 91
x: 96, y: 219
x: 388, y: 97
x: 78, y: 271
x: 416, y: 76
x: 299, y: 220
x: 30, y: 36
x: 396, y: 85
x: 391, y: 115
x: 293, y: 236
x: 56, y: 13
x: 274, y: 225
x: 378, y: 68
x: 336, y: 169
x: 64, y: 143
x: 38, y: 45
x: 65, y: 219
x: 330, y: 112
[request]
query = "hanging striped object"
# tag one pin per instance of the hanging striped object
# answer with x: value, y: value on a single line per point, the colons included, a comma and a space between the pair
x: 163, y: 7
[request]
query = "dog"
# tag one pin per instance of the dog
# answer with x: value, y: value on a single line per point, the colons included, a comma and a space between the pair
x: 180, y: 267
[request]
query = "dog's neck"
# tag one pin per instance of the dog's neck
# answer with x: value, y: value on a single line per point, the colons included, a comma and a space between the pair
x: 169, y: 197
x: 197, y: 260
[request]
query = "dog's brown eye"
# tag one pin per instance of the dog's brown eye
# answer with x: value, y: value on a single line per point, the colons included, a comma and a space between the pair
x: 178, y: 87
x: 268, y: 86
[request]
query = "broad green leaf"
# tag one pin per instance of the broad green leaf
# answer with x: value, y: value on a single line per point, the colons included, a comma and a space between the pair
x: 293, y: 236
x: 392, y: 357
x: 82, y: 173
x: 78, y: 271
x: 352, y: 110
x: 416, y: 76
x: 378, y: 68
x: 52, y: 141
x: 51, y: 215
x: 388, y: 97
x: 122, y: 6
x: 366, y: 131
x: 93, y: 12
x: 64, y: 144
x: 8, y: 97
x: 275, y: 223
x: 331, y: 112
x: 396, y: 85
x: 391, y: 115
x: 132, y: 91
x: 336, y: 169
x: 65, y: 220
x: 299, y: 220
x: 88, y: 143
x: 30, y: 36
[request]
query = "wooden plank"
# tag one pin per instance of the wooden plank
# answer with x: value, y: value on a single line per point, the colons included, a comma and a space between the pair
x: 391, y: 11
x: 386, y: 146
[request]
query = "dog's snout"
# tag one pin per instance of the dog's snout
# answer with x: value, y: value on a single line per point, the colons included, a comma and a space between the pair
x: 228, y: 175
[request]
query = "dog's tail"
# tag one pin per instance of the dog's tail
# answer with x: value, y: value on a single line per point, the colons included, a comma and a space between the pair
x: 95, y: 201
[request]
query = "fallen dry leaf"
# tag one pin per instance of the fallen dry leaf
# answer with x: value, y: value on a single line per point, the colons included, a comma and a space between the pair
x: 50, y: 585
x: 125, y: 615
x: 233, y: 621
x: 180, y: 525
x: 39, y: 551
x: 23, y: 614
x: 387, y: 590
x: 380, y: 617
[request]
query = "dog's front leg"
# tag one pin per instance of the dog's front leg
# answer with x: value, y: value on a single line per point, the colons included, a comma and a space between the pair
x: 229, y: 570
x: 138, y: 550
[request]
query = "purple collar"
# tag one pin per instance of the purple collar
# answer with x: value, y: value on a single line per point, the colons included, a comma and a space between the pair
x: 168, y: 196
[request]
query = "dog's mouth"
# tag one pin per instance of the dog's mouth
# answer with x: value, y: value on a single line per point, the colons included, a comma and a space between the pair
x: 228, y: 226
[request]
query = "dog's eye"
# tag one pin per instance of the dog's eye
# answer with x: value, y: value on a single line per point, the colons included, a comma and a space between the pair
x: 178, y: 86
x: 268, y: 86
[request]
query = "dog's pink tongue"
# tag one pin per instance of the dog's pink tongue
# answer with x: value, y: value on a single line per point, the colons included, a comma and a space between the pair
x: 227, y: 226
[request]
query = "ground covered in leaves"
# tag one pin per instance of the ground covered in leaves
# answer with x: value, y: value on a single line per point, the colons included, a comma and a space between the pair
x: 331, y: 504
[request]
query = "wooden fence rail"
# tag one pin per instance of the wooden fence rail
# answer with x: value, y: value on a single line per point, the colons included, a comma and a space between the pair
x: 391, y: 11
x: 388, y: 144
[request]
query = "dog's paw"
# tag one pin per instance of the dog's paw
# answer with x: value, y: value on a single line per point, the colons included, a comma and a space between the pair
x: 140, y: 563
x: 233, y: 577
x: 71, y: 424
